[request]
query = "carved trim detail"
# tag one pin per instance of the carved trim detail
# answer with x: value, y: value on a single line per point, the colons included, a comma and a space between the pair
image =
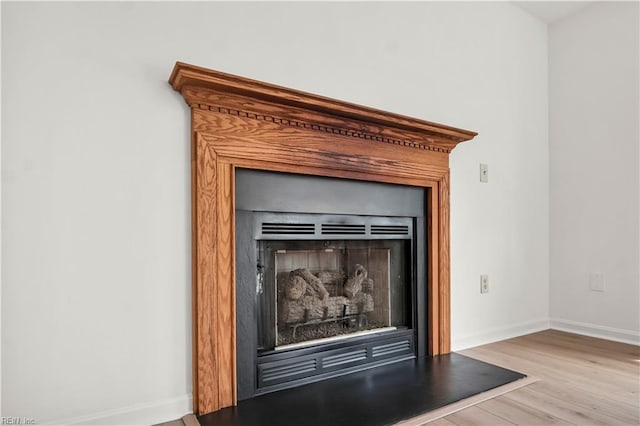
x: 318, y: 127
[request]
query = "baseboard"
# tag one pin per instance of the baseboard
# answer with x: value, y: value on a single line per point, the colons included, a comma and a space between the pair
x: 521, y: 329
x: 593, y: 330
x: 139, y: 414
x: 497, y: 334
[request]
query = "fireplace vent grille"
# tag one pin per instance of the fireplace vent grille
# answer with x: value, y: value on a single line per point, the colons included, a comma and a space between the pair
x: 280, y: 370
x: 345, y: 358
x: 288, y: 228
x: 308, y: 226
x: 389, y: 229
x: 272, y: 373
x: 391, y: 348
x: 355, y: 229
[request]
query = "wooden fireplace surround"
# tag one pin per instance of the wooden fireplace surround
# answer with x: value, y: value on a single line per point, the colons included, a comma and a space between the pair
x: 237, y: 122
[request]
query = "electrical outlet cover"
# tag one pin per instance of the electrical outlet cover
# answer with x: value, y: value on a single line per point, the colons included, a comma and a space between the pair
x: 484, y: 284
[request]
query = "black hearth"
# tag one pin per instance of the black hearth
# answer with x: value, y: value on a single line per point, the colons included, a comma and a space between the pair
x: 328, y: 278
x: 377, y: 397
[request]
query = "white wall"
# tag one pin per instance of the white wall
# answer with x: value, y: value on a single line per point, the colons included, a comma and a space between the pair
x: 499, y: 228
x: 96, y: 241
x: 594, y: 140
x: 1, y: 219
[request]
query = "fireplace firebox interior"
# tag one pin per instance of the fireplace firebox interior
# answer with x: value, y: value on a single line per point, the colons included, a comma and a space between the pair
x: 325, y: 287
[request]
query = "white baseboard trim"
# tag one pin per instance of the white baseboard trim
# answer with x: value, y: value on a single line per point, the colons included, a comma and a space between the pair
x: 459, y: 343
x: 593, y: 330
x: 139, y: 414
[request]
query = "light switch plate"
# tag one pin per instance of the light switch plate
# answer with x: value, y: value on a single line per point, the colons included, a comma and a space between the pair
x: 596, y: 281
x: 484, y: 173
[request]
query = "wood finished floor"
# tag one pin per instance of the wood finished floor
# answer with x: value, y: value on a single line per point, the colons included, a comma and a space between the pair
x: 584, y: 381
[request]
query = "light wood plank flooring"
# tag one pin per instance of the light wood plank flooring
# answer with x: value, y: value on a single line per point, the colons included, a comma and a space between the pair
x: 583, y: 381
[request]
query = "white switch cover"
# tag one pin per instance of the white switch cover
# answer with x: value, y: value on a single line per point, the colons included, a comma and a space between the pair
x: 596, y: 281
x: 484, y: 284
x: 484, y: 173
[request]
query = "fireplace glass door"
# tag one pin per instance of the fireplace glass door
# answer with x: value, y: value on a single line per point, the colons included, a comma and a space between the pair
x: 318, y: 291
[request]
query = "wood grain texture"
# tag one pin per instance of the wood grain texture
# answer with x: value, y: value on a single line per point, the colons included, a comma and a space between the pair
x: 582, y: 381
x: 433, y: 270
x: 194, y: 269
x: 444, y: 304
x: 288, y: 116
x: 225, y: 308
x: 201, y: 81
x: 474, y: 416
x: 311, y: 154
x: 268, y: 136
x: 204, y: 277
x: 238, y: 122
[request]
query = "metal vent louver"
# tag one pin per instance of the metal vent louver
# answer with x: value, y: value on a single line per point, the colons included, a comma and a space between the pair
x: 339, y: 228
x: 344, y: 358
x: 390, y: 348
x: 389, y: 229
x: 273, y: 373
x: 288, y: 228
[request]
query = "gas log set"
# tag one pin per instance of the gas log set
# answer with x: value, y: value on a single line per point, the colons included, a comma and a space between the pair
x: 328, y: 300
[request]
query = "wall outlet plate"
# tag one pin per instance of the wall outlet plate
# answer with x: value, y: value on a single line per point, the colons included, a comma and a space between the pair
x: 484, y: 284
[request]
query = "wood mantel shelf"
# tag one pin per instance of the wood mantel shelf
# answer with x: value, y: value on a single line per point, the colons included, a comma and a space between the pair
x: 289, y: 106
x: 238, y: 122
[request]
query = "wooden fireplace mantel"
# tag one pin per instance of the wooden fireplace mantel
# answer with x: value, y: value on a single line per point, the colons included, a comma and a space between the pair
x: 238, y: 122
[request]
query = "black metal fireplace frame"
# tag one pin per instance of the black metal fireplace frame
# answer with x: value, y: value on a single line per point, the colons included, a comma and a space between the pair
x: 261, y: 372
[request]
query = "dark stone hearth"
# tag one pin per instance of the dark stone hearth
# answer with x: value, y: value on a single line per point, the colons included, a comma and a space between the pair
x: 375, y: 397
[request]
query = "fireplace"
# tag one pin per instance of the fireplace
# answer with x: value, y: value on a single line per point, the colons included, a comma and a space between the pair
x: 238, y: 123
x: 328, y: 284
